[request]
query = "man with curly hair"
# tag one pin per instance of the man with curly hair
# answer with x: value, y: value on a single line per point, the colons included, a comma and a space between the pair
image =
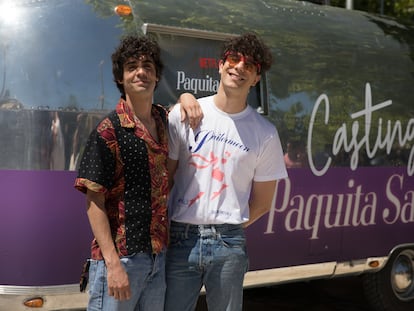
x: 225, y: 174
x: 123, y: 172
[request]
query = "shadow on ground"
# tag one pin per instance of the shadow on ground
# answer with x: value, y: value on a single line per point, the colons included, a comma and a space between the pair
x: 344, y: 294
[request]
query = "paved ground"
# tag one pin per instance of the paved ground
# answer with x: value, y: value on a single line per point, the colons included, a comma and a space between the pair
x: 343, y: 294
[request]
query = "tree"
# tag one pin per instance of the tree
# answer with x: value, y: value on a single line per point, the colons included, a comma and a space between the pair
x: 401, y: 9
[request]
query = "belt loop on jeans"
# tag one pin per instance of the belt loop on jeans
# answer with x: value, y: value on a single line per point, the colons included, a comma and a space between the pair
x: 213, y: 229
x: 187, y: 227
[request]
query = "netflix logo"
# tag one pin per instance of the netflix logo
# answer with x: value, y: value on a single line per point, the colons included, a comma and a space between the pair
x: 207, y: 62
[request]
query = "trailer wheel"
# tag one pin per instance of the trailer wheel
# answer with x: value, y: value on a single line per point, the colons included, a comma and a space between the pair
x: 392, y: 288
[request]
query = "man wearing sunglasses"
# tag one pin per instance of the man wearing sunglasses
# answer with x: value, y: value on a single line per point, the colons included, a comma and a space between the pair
x: 224, y: 173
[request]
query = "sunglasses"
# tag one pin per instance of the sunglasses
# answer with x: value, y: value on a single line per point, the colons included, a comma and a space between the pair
x: 233, y: 58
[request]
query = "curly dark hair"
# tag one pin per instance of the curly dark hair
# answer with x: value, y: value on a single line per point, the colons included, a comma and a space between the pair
x: 249, y: 44
x: 135, y: 46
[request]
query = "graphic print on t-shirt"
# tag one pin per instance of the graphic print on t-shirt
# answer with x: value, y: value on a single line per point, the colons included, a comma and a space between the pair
x: 200, y: 162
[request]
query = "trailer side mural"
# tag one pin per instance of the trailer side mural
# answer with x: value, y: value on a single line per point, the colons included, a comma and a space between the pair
x: 339, y: 92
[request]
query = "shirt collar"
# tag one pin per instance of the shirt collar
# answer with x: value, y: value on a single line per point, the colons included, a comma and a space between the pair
x: 125, y: 114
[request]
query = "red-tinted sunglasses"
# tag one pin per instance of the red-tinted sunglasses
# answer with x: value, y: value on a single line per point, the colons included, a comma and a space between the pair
x: 233, y: 58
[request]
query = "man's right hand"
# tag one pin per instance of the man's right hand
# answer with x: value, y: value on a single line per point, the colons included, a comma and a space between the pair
x: 190, y: 110
x: 118, y: 282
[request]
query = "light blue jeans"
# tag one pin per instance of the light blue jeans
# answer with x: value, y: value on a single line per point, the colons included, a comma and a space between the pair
x: 146, y: 275
x: 211, y: 255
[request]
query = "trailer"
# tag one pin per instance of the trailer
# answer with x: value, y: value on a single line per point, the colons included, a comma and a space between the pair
x: 339, y: 92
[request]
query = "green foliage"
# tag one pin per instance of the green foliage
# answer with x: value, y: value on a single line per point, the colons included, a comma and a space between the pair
x: 329, y: 51
x: 105, y: 9
x: 400, y: 9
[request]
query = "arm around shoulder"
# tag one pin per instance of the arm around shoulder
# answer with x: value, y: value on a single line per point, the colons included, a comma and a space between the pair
x: 190, y: 109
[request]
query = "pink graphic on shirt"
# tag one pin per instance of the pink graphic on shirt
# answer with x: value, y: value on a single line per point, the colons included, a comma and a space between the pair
x: 201, y: 162
x: 217, y: 193
x: 198, y: 196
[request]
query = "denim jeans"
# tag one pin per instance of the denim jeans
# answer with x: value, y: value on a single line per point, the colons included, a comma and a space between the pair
x: 211, y: 255
x: 146, y: 275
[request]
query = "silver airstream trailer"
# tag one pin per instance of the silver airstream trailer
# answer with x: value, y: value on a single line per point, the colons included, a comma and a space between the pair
x: 339, y: 92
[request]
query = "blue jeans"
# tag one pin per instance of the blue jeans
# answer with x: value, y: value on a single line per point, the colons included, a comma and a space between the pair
x: 211, y: 255
x: 146, y: 275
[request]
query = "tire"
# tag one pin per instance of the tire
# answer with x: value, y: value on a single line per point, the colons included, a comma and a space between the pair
x: 392, y: 288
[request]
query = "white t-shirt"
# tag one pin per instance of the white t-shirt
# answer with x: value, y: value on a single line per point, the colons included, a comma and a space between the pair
x: 218, y: 162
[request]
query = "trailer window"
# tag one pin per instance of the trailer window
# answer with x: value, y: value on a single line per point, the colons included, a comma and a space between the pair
x: 191, y: 59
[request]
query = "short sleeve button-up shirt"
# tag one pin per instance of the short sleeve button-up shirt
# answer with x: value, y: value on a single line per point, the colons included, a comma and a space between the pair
x: 123, y: 161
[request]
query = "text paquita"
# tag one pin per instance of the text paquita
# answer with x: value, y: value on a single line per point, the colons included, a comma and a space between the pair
x: 355, y: 207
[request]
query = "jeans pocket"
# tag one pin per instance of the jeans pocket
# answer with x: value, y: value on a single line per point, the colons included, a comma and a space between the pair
x: 93, y: 267
x: 97, y: 284
x: 233, y: 241
x: 234, y: 238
